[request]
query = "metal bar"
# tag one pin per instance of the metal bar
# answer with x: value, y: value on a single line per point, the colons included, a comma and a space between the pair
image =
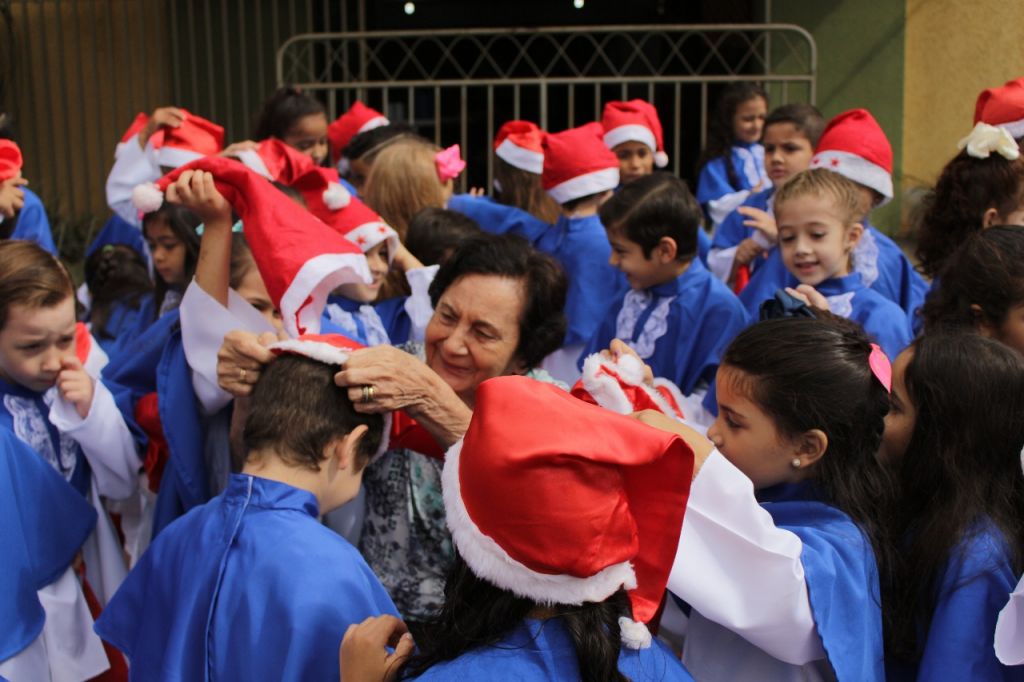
x: 703, y: 115
x: 463, y: 133
x: 437, y: 115
x: 490, y: 137
x: 90, y: 178
x: 677, y: 133
x: 281, y: 80
x: 101, y: 158
x: 176, y: 96
x: 242, y: 56
x: 543, y: 87
x: 31, y: 111
x: 411, y: 116
x: 597, y: 101
x: 515, y: 100
x: 66, y: 168
x: 228, y: 122
x: 193, y: 60
x: 212, y: 111
x: 559, y: 80
x: 261, y: 52
x: 51, y: 123
x: 572, y: 106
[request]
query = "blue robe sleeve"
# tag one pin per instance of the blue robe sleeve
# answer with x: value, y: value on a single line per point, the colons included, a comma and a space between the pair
x: 718, y: 321
x: 605, y: 331
x: 895, y: 276
x: 884, y: 321
x: 769, y: 276
x: 43, y: 523
x: 703, y: 245
x: 498, y: 218
x: 32, y: 223
x: 395, y: 319
x: 732, y: 231
x: 713, y: 181
x: 842, y: 585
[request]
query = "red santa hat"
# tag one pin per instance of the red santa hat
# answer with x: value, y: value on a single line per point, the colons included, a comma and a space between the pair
x: 330, y: 349
x: 1003, y: 107
x: 300, y: 258
x: 577, y: 163
x: 520, y: 144
x: 193, y: 139
x: 361, y: 225
x: 634, y: 121
x: 279, y: 162
x: 855, y: 146
x: 563, y: 502
x: 358, y: 119
x: 10, y: 160
x: 618, y: 385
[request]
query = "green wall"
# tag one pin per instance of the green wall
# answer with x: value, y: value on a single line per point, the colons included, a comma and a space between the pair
x: 860, y: 64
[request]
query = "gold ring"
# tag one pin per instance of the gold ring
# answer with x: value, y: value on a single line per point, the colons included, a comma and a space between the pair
x: 241, y: 375
x: 368, y: 392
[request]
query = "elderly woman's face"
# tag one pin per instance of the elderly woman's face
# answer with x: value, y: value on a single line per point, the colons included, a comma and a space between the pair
x: 474, y: 332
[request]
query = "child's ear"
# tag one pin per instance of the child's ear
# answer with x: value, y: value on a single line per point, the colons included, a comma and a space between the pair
x: 667, y: 250
x: 810, y: 446
x: 990, y: 217
x: 853, y: 234
x: 344, y: 450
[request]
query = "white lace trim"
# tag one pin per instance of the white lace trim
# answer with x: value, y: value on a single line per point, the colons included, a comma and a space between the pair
x: 376, y: 334
x: 841, y: 304
x: 865, y: 258
x: 633, y: 306
x: 30, y: 426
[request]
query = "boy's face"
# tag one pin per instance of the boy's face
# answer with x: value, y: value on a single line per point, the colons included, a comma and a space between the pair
x: 635, y: 161
x: 34, y: 341
x: 641, y: 272
x: 815, y: 238
x: 377, y: 259
x: 786, y: 152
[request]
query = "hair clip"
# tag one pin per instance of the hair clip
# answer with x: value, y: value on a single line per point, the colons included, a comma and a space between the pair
x: 880, y: 366
x: 235, y: 229
x: 985, y: 139
x: 449, y: 163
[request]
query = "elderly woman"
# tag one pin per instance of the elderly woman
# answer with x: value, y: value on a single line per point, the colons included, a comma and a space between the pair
x: 497, y: 311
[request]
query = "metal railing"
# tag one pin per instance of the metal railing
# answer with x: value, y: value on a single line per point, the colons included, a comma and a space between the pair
x: 460, y: 85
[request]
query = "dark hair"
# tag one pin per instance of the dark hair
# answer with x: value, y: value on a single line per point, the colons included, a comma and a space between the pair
x: 542, y: 324
x: 523, y: 189
x: 114, y: 273
x: 183, y: 223
x: 477, y: 614
x: 804, y: 117
x: 31, y: 276
x: 298, y: 410
x: 655, y: 206
x: 987, y: 271
x: 813, y: 373
x: 961, y: 469
x: 720, y: 132
x: 572, y: 204
x: 290, y: 192
x: 242, y: 260
x: 369, y: 142
x: 281, y: 110
x: 954, y: 210
x: 434, y: 233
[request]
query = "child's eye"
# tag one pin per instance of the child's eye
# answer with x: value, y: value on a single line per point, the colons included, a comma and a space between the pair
x: 786, y: 238
x: 31, y: 347
x: 731, y: 424
x: 65, y: 341
x: 819, y: 235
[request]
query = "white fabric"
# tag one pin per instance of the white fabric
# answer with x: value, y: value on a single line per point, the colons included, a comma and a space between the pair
x: 865, y: 258
x: 585, y: 185
x: 66, y: 649
x: 655, y: 327
x: 204, y: 322
x: 741, y: 573
x: 720, y: 208
x: 520, y: 157
x: 105, y: 440
x: 720, y: 262
x: 133, y: 166
x: 841, y: 304
x: 562, y: 363
x: 633, y: 132
x: 1009, y: 640
x: 856, y: 168
x: 376, y: 334
x: 418, y: 305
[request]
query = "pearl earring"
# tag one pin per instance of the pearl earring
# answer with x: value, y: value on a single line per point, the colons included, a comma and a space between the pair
x: 796, y: 462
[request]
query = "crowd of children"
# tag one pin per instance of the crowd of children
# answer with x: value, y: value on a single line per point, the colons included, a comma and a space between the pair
x: 748, y: 438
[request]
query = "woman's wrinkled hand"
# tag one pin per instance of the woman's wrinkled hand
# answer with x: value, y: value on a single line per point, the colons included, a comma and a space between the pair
x: 384, y: 379
x: 241, y: 359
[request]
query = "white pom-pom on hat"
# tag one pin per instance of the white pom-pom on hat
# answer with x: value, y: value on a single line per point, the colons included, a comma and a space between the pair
x: 634, y: 635
x: 660, y: 159
x: 147, y: 197
x: 336, y: 196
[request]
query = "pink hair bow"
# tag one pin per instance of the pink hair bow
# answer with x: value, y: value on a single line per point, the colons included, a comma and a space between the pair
x: 880, y: 366
x: 449, y: 163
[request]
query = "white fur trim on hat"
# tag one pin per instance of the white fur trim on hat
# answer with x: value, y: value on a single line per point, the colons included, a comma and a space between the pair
x: 586, y: 184
x: 523, y: 159
x: 147, y: 197
x: 856, y: 168
x: 317, y: 278
x: 375, y: 122
x: 634, y: 635
x: 489, y: 561
x: 252, y: 159
x: 673, y: 390
x: 1015, y: 128
x: 176, y: 156
x: 336, y: 196
x: 605, y: 389
x: 371, y: 234
x: 633, y: 132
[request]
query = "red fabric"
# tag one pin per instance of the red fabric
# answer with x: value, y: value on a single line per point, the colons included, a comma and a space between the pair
x: 857, y: 132
x: 10, y: 160
x: 567, y: 488
x: 147, y: 416
x: 633, y: 112
x: 407, y: 433
x: 742, y: 279
x: 668, y: 397
x: 136, y: 127
x: 118, y: 671
x: 524, y: 134
x: 195, y: 134
x: 83, y: 342
x: 575, y: 152
x: 1004, y: 104
x: 350, y: 124
x: 285, y: 164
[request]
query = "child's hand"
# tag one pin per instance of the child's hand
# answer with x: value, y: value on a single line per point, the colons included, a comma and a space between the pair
x: 235, y: 147
x: 617, y: 348
x: 196, y: 191
x: 363, y: 657
x: 12, y: 198
x: 477, y: 192
x: 75, y: 385
x: 172, y: 117
x: 747, y: 250
x: 701, y: 446
x: 810, y: 296
x: 404, y: 260
x: 760, y: 220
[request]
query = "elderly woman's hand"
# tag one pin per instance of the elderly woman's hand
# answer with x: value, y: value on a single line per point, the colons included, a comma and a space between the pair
x: 385, y: 379
x: 241, y: 359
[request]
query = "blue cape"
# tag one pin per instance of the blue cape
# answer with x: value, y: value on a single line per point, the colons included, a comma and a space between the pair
x: 43, y: 523
x: 32, y: 224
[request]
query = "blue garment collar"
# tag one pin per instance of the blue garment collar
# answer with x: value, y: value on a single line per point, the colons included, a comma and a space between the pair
x: 693, y: 274
x: 263, y: 492
x: 746, y: 145
x: 804, y: 491
x: 346, y: 304
x: 841, y: 285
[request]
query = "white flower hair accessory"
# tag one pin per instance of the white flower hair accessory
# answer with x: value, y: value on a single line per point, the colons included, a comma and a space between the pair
x: 985, y: 139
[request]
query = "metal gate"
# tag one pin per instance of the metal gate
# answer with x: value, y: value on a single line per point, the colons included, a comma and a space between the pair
x: 460, y: 85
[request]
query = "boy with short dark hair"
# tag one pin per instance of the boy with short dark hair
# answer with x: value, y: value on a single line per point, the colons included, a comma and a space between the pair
x: 676, y: 315
x: 251, y: 585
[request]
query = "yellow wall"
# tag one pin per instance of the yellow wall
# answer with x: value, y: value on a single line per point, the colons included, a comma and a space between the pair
x: 954, y: 49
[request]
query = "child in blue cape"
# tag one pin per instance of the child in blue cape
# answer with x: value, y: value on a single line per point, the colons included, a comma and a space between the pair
x: 954, y: 438
x: 675, y: 314
x: 732, y: 165
x: 558, y: 584
x: 22, y: 215
x: 783, y: 557
x: 259, y: 564
x: 818, y: 215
